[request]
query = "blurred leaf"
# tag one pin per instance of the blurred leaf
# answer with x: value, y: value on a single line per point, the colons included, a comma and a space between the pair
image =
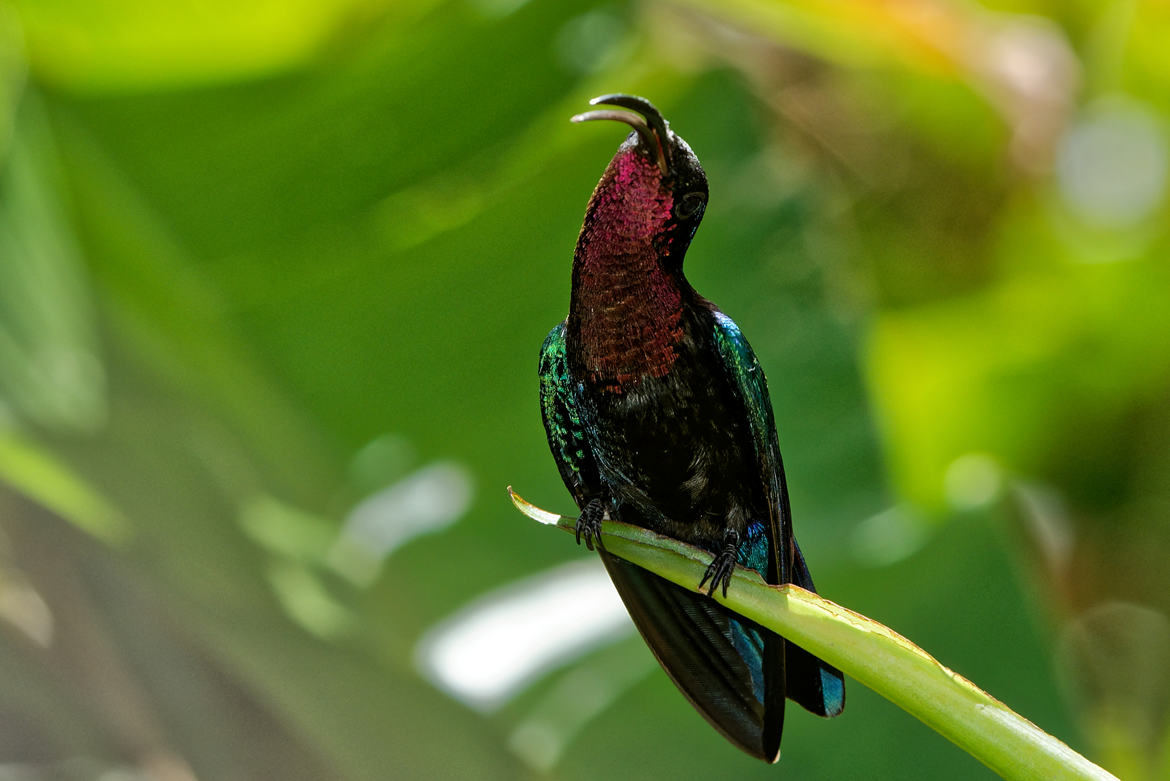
x: 1040, y: 372
x: 130, y: 44
x: 50, y: 372
x: 35, y: 473
x: 12, y: 75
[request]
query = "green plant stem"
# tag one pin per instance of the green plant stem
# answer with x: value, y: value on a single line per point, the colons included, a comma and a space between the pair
x: 863, y: 649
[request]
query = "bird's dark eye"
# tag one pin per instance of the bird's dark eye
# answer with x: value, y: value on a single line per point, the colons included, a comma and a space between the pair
x: 690, y: 205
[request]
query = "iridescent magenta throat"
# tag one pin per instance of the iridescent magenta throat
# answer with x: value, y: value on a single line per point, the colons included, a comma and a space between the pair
x: 626, y: 307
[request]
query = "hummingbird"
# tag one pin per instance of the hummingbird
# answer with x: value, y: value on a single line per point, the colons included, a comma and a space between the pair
x: 658, y: 415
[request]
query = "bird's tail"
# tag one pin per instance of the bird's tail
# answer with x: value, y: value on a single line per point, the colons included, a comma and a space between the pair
x: 731, y: 669
x: 814, y: 685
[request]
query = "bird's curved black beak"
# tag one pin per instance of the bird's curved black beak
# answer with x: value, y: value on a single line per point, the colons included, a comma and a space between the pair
x: 648, y: 122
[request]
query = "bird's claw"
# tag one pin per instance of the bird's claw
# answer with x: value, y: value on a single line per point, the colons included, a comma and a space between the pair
x: 589, y: 524
x: 723, y: 565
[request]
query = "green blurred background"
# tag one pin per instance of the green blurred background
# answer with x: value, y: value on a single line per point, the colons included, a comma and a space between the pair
x: 273, y: 278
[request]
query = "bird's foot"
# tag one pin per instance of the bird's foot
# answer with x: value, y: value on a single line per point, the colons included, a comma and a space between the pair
x: 721, y: 567
x: 589, y: 523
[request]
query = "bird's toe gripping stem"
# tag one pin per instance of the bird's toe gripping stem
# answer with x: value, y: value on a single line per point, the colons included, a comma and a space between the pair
x: 723, y: 565
x: 589, y: 523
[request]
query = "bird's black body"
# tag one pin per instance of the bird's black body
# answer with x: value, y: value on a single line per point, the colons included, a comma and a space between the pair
x: 670, y: 447
x: 657, y: 413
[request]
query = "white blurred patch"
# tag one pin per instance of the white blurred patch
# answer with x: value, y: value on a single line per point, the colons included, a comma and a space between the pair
x: 1031, y: 57
x: 1031, y: 74
x: 888, y: 537
x: 1111, y: 165
x: 427, y: 500
x: 22, y: 607
x: 492, y: 649
x: 972, y: 481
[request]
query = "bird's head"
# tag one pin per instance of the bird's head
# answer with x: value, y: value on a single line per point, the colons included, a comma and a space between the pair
x: 653, y: 193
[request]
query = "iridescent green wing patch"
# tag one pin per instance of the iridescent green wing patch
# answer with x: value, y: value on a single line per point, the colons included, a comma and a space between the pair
x: 740, y: 360
x: 562, y: 419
